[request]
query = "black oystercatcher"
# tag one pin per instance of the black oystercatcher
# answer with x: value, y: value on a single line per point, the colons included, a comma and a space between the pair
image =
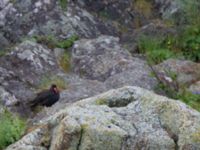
x: 46, y: 97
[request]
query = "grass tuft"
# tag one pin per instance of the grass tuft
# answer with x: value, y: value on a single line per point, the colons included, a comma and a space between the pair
x: 47, y: 81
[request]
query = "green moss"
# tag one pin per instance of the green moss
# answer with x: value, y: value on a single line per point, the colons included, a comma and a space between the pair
x: 11, y: 128
x: 196, y: 136
x: 101, y: 102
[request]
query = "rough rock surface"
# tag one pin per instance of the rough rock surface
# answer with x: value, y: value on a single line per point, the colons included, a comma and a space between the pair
x: 126, y: 118
x: 195, y: 88
x: 24, y: 67
x: 183, y: 72
x: 104, y: 59
x: 26, y: 18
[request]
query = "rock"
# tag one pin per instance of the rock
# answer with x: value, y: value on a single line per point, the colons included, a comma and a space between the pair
x: 29, y: 60
x: 168, y: 8
x: 138, y: 75
x: 24, y: 67
x: 126, y: 118
x: 111, y: 10
x: 195, y: 88
x: 104, y: 59
x: 27, y: 18
x: 154, y: 29
x: 6, y: 98
x: 181, y: 72
x: 80, y: 88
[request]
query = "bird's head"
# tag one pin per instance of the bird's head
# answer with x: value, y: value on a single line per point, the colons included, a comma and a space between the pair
x: 54, y: 88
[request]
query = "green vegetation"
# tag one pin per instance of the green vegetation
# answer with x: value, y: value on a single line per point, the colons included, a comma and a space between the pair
x: 65, y: 44
x: 3, y: 52
x: 101, y: 102
x: 63, y: 4
x: 47, y: 81
x: 188, y: 42
x: 51, y: 42
x: 176, y: 91
x: 64, y: 61
x: 154, y: 49
x: 11, y: 128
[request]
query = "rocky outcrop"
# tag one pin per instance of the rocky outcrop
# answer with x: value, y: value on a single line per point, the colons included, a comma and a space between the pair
x: 104, y: 59
x: 24, y: 67
x: 126, y: 118
x: 20, y: 19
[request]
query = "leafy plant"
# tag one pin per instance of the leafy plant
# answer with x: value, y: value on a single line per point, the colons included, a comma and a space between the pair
x: 11, y: 128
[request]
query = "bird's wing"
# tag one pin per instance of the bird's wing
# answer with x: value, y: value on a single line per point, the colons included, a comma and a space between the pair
x: 40, y: 98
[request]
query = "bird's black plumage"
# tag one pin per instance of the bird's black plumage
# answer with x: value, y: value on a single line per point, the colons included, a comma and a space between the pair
x: 46, y: 97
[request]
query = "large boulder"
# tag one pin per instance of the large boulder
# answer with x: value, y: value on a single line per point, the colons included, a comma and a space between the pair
x: 127, y: 118
x: 103, y: 59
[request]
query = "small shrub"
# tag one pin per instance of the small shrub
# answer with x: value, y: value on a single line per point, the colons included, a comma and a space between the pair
x: 47, y: 81
x: 65, y: 44
x: 11, y: 128
x: 63, y: 4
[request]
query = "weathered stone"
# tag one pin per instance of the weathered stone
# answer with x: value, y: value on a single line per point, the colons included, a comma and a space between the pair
x: 104, y: 59
x: 27, y: 18
x: 126, y: 118
x: 180, y: 72
x: 195, y: 88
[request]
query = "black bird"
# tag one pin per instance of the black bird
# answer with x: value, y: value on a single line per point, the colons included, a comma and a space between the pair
x: 46, y: 97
